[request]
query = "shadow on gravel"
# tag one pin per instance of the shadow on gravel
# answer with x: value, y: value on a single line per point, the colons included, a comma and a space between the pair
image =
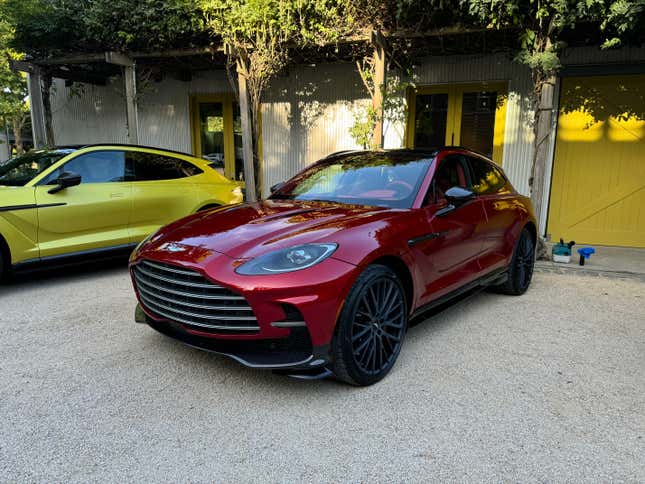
x: 77, y: 271
x: 223, y: 370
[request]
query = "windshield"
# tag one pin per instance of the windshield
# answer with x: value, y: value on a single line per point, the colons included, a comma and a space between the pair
x: 379, y: 179
x: 19, y: 170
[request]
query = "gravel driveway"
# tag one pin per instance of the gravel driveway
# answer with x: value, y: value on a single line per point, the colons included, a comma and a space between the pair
x: 545, y: 387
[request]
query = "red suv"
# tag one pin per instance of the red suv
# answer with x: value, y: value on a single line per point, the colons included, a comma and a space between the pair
x: 323, y: 276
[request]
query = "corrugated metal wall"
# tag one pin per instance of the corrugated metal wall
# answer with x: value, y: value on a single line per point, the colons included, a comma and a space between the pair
x: 306, y: 116
x: 88, y: 114
x: 96, y: 114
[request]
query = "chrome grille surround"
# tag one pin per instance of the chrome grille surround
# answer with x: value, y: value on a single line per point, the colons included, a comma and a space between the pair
x: 185, y: 296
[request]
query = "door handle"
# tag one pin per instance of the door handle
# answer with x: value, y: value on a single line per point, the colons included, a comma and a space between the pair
x: 116, y: 195
x: 423, y: 238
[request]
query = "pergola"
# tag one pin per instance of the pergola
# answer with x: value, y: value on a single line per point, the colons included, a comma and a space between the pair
x: 97, y: 67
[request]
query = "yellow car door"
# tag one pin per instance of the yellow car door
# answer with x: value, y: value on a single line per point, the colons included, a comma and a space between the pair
x: 93, y: 214
x: 162, y: 191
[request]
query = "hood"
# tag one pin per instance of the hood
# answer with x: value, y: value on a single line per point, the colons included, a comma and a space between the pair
x: 246, y: 231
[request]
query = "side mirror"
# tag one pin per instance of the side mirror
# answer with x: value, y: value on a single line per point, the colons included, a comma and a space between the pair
x: 66, y: 180
x: 276, y: 187
x: 458, y: 196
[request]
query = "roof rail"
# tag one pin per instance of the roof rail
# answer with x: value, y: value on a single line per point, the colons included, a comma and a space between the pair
x: 126, y: 145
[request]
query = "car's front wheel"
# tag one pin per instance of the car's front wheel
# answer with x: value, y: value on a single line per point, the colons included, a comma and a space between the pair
x: 371, y: 327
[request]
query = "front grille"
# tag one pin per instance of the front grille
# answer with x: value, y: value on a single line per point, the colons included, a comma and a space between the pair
x: 187, y: 297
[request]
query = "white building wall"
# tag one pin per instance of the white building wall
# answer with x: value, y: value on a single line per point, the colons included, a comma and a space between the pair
x: 96, y: 114
x: 88, y: 114
x: 306, y: 116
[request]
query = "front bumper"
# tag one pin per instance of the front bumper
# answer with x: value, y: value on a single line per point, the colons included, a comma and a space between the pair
x: 317, y: 294
x: 293, y: 353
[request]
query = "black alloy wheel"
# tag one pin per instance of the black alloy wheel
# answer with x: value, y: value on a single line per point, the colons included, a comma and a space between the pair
x: 520, y: 272
x: 371, y: 327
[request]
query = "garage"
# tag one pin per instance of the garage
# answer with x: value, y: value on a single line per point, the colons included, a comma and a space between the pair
x: 598, y: 183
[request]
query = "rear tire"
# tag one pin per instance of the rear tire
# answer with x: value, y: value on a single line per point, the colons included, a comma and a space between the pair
x: 520, y: 271
x: 371, y: 328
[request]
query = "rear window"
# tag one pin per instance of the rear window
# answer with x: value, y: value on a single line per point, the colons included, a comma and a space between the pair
x: 151, y: 166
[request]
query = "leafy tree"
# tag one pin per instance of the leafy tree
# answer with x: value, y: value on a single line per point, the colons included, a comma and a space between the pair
x: 260, y: 33
x: 14, y: 108
x: 542, y: 23
x: 54, y: 27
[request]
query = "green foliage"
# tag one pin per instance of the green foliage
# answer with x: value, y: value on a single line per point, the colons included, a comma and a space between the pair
x: 264, y: 30
x: 408, y: 15
x: 43, y: 26
x: 621, y: 19
x: 13, y: 86
x: 363, y: 128
x: 51, y: 27
x: 142, y: 25
x: 543, y: 21
x: 394, y: 109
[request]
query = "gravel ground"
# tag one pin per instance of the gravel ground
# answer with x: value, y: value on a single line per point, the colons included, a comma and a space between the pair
x: 545, y: 387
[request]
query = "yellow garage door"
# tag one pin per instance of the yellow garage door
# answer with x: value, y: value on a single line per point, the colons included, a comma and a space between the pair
x: 598, y: 186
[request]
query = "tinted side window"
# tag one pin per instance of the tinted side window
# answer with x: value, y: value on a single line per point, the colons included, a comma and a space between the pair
x: 94, y: 167
x: 486, y: 178
x: 150, y: 166
x: 451, y: 173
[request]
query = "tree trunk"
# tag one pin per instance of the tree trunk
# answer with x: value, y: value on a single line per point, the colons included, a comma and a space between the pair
x: 256, y: 107
x: 544, y: 95
x: 17, y: 125
x: 249, y: 141
x: 378, y: 63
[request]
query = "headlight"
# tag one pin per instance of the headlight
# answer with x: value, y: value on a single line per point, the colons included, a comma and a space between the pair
x: 237, y: 191
x: 287, y: 260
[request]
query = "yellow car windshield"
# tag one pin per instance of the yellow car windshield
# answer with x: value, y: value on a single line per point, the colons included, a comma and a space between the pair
x: 19, y: 170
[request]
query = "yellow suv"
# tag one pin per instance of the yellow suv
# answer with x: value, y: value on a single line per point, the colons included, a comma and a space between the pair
x: 73, y: 201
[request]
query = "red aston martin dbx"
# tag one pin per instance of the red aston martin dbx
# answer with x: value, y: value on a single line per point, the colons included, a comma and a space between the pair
x: 323, y: 276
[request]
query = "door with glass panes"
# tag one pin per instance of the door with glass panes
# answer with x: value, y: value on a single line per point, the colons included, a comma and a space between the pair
x: 468, y: 115
x: 217, y: 133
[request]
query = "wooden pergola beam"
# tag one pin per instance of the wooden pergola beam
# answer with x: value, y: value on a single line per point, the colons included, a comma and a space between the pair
x: 101, y: 57
x: 130, y: 81
x: 247, y: 130
x: 379, y: 68
x: 37, y: 108
x: 74, y: 75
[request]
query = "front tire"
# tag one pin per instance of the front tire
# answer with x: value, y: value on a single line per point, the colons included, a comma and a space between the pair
x: 520, y: 271
x: 371, y: 328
